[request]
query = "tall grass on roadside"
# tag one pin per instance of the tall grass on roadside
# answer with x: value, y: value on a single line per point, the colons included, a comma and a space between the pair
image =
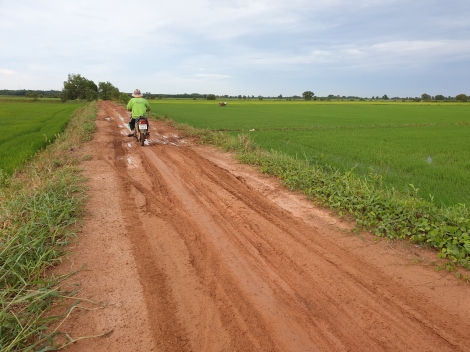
x: 383, y: 211
x: 40, y: 207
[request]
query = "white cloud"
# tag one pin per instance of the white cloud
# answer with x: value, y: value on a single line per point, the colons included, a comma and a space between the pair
x: 7, y: 72
x: 422, y: 47
x: 207, y: 76
x: 171, y: 40
x: 368, y: 57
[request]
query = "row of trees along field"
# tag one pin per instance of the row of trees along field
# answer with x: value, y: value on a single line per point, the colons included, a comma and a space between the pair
x: 78, y: 87
x: 28, y: 93
x: 307, y: 95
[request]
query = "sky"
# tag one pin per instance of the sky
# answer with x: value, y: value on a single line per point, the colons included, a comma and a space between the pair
x: 260, y: 47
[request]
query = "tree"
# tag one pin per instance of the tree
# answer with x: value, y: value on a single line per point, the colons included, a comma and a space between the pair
x: 461, y: 97
x: 308, y: 95
x: 260, y: 97
x: 124, y: 98
x: 425, y: 96
x: 78, y: 87
x: 439, y: 97
x: 210, y: 97
x: 91, y: 94
x: 280, y: 96
x: 33, y: 95
x: 107, y: 91
x: 385, y: 97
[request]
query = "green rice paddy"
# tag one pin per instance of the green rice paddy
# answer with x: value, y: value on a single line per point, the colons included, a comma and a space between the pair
x: 28, y: 127
x: 426, y: 145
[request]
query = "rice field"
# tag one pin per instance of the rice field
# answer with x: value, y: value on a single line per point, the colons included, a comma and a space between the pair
x: 426, y: 145
x: 28, y: 127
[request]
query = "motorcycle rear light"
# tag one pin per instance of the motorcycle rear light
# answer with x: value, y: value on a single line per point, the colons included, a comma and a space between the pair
x: 143, y: 122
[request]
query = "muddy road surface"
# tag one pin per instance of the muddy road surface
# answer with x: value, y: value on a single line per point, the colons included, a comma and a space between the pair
x: 186, y: 250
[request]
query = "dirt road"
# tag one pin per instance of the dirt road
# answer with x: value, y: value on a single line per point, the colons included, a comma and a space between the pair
x: 186, y: 250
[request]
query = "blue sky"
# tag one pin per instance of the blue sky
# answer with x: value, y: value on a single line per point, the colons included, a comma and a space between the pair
x: 270, y: 47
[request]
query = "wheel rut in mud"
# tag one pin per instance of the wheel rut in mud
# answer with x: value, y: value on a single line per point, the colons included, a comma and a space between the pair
x: 209, y: 255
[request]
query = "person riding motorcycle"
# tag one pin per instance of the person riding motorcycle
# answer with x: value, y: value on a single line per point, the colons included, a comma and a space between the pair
x: 139, y: 107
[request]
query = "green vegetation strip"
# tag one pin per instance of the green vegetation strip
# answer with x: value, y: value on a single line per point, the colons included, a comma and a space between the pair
x: 385, y: 212
x: 40, y: 206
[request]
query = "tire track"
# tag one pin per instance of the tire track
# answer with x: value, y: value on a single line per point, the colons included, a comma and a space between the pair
x: 223, y: 268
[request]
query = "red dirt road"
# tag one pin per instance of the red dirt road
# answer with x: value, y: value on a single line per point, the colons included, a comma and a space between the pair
x: 186, y: 250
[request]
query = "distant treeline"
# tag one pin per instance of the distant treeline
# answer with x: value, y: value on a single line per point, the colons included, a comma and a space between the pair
x: 330, y: 97
x: 78, y: 87
x: 30, y: 93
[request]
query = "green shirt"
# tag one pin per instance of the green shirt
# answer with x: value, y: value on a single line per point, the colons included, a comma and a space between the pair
x: 138, y: 106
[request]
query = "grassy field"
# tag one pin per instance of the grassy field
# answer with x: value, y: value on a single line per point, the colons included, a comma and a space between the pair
x: 28, y: 127
x: 423, y: 144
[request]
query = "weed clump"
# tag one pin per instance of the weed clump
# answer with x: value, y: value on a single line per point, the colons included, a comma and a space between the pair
x: 385, y: 212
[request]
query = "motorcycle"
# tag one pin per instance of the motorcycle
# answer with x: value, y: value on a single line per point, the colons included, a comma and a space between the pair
x: 142, y: 129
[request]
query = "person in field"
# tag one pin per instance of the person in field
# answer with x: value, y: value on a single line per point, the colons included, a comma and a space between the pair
x: 139, y: 107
